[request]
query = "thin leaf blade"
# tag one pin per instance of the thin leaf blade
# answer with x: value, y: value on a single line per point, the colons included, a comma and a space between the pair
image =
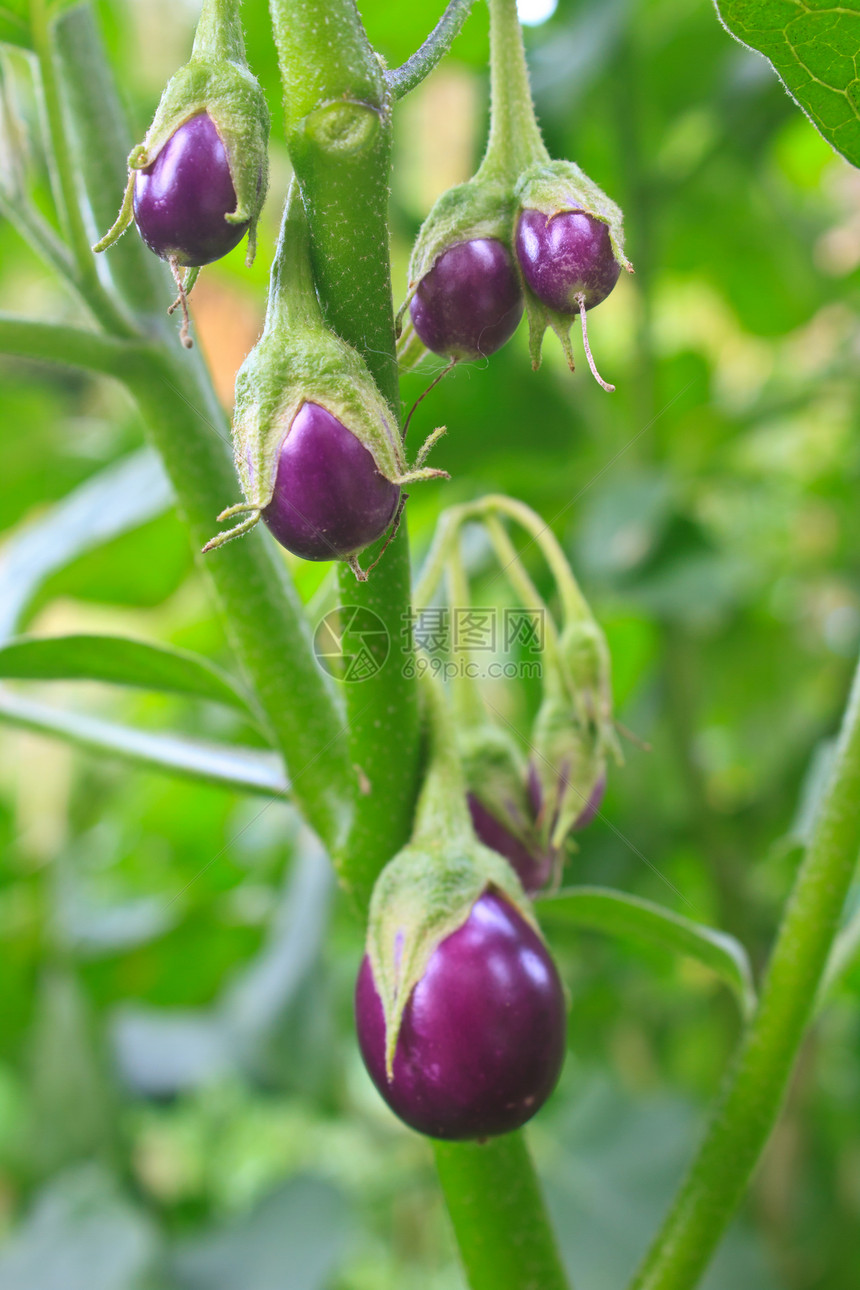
x: 236, y: 767
x: 641, y: 921
x: 121, y: 497
x: 119, y: 660
x: 813, y: 50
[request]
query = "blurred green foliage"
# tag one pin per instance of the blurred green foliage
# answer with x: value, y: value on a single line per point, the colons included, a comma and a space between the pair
x: 181, y: 1102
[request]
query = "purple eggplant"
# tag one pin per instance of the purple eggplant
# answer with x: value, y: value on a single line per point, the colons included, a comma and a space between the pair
x: 181, y: 201
x: 330, y: 500
x: 482, y: 1037
x: 470, y: 302
x: 566, y: 256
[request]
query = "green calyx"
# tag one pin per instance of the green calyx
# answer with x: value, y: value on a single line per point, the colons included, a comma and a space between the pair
x: 216, y: 80
x: 423, y: 895
x: 553, y: 187
x: 299, y: 360
x: 428, y: 890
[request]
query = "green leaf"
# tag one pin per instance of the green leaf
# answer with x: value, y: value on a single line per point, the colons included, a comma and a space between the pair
x: 121, y: 497
x: 245, y: 770
x: 640, y: 921
x: 813, y: 48
x: 15, y: 23
x: 81, y: 1234
x: 294, y: 1236
x: 118, y: 660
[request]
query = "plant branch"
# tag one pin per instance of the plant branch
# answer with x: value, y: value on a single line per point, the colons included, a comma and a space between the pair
x: 72, y: 346
x: 400, y: 80
x: 755, y: 1087
x: 99, y: 142
x: 338, y: 128
x: 264, y: 617
x: 41, y: 237
x: 66, y: 193
x: 515, y: 139
x: 499, y: 1216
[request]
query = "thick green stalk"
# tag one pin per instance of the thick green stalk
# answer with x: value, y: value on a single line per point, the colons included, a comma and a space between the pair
x: 498, y: 1214
x: 66, y: 190
x: 99, y: 142
x: 219, y: 28
x: 515, y: 139
x: 339, y: 134
x: 50, y: 343
x: 755, y: 1087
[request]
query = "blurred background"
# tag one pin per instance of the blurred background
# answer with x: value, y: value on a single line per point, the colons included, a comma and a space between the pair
x: 182, y: 1106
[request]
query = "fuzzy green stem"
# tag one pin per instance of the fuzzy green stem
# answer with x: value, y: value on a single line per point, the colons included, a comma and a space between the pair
x: 293, y: 303
x: 499, y: 1216
x: 515, y: 140
x: 99, y: 142
x: 23, y: 216
x: 219, y: 31
x: 467, y: 698
x: 574, y: 604
x: 446, y: 535
x: 263, y: 615
x: 99, y: 302
x: 50, y: 343
x: 401, y: 80
x: 442, y: 811
x: 339, y: 134
x: 755, y: 1087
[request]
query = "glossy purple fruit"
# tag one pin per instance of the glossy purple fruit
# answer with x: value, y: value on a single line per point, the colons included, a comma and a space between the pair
x: 330, y: 500
x: 470, y: 302
x: 483, y: 1034
x: 180, y: 201
x: 533, y: 866
x: 566, y: 255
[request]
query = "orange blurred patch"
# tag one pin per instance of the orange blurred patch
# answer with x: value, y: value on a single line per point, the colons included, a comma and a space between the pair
x: 226, y: 323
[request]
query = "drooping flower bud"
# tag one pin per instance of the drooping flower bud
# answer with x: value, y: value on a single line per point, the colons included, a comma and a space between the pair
x: 198, y: 181
x: 500, y: 805
x: 574, y: 733
x: 317, y: 448
x: 567, y: 772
